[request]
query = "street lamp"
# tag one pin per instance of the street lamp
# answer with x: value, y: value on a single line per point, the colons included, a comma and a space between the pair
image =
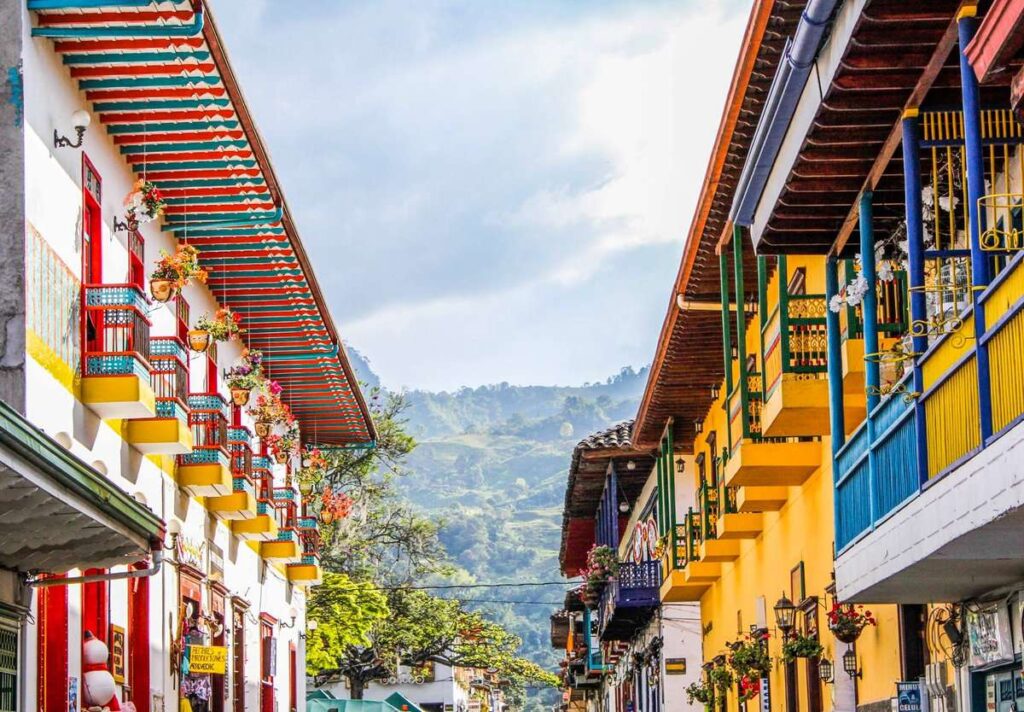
x: 785, y: 613
x: 850, y: 663
x: 825, y: 670
x: 80, y: 121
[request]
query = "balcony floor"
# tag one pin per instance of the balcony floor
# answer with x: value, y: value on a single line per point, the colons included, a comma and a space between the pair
x: 121, y: 397
x: 768, y: 464
x: 739, y: 526
x: 761, y: 499
x: 674, y: 589
x: 159, y: 436
x: 262, y: 527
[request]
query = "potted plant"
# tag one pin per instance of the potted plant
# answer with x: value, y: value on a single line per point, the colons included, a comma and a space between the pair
x: 144, y: 204
x: 749, y: 687
x: 245, y: 376
x: 602, y: 566
x: 749, y: 657
x: 314, y: 466
x: 700, y: 691
x: 268, y: 410
x: 198, y: 339
x: 847, y: 621
x: 721, y: 678
x: 175, y: 271
x: 285, y: 445
x: 224, y: 325
x: 801, y: 646
x: 334, y: 506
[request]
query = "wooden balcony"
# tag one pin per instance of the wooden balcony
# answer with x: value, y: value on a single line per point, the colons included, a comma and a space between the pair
x: 168, y: 433
x: 761, y: 499
x: 240, y: 504
x: 675, y: 589
x: 206, y: 471
x: 739, y: 526
x: 116, y: 381
x: 262, y: 527
x: 286, y: 548
x: 307, y: 572
x: 719, y: 550
x: 758, y: 463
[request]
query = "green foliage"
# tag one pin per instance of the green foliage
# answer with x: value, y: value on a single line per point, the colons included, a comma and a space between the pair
x: 346, y: 612
x: 801, y: 646
x: 749, y: 657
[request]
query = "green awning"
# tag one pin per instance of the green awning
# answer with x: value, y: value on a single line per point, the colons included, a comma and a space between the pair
x: 58, y: 513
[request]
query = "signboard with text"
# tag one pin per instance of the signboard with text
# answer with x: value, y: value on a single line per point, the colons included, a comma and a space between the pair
x: 207, y: 659
x: 908, y: 697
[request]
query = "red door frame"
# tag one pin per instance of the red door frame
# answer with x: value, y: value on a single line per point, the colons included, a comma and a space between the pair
x: 52, y: 651
x: 293, y: 674
x: 238, y: 612
x: 267, y: 623
x: 95, y: 610
x: 138, y: 641
x: 92, y: 255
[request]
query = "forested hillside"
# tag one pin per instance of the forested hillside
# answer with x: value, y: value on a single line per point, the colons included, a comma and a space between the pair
x: 491, y: 462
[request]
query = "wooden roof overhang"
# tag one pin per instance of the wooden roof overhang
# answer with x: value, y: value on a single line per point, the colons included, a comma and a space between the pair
x: 893, y: 55
x: 689, y: 358
x: 159, y: 80
x: 583, y: 491
x: 998, y: 40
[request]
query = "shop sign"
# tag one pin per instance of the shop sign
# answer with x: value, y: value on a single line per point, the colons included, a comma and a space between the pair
x: 675, y: 666
x: 117, y: 653
x: 207, y: 659
x: 766, y: 695
x: 989, y: 635
x: 190, y: 552
x: 908, y: 697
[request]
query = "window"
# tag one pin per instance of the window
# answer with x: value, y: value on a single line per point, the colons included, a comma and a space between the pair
x: 8, y: 665
x: 136, y: 260
x: 212, y: 382
x: 138, y: 642
x: 92, y: 253
x: 52, y: 629
x: 268, y: 662
x: 181, y: 318
x: 293, y: 674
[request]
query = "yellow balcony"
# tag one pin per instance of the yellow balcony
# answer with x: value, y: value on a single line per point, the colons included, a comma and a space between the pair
x: 159, y: 436
x: 236, y: 506
x: 262, y: 527
x: 203, y: 476
x: 796, y: 408
x: 772, y: 464
x: 854, y: 380
x: 675, y: 589
x: 761, y: 499
x: 719, y: 550
x: 284, y: 549
x: 739, y: 526
x: 307, y: 572
x: 702, y: 572
x: 121, y: 397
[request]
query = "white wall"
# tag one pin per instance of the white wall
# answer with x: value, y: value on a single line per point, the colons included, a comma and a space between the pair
x: 53, y: 208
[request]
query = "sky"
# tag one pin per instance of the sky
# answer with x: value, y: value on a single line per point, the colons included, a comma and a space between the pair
x: 490, y: 190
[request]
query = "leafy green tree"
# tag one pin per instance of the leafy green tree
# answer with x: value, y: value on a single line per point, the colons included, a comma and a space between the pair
x: 346, y: 612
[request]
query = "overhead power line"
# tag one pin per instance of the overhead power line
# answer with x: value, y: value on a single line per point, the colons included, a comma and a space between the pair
x: 480, y: 585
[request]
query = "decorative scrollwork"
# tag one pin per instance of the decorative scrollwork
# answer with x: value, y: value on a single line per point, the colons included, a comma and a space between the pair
x: 941, y: 325
x: 890, y: 356
x: 806, y: 308
x: 999, y: 208
x: 892, y: 389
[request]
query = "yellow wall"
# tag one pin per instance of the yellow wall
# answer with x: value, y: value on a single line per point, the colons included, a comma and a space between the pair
x: 802, y: 531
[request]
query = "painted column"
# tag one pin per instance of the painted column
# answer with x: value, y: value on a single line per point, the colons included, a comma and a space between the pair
x: 723, y: 271
x: 837, y: 424
x: 741, y: 328
x: 915, y: 260
x: 869, y: 309
x: 967, y: 25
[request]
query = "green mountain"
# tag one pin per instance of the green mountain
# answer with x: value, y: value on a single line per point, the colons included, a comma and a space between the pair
x: 492, y: 463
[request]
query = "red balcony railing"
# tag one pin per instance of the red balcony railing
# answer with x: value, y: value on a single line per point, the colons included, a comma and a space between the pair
x: 170, y: 376
x: 115, y: 331
x: 209, y: 424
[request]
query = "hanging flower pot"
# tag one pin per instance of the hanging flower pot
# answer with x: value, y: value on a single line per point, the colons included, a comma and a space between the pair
x: 198, y: 340
x: 161, y: 289
x: 262, y: 428
x: 847, y: 621
x: 326, y: 516
x: 239, y: 396
x: 305, y: 487
x: 281, y: 457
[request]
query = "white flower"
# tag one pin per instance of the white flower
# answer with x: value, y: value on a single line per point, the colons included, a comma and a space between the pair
x: 885, y: 272
x: 856, y: 290
x: 947, y: 203
x: 836, y: 303
x: 927, y: 195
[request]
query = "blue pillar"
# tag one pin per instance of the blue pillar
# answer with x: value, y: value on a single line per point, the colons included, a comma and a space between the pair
x: 967, y: 25
x: 915, y: 259
x: 869, y: 309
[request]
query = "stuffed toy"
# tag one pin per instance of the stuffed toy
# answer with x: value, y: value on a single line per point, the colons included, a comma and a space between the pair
x: 98, y: 691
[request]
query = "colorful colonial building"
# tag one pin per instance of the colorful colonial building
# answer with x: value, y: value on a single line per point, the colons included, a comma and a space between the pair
x: 142, y: 504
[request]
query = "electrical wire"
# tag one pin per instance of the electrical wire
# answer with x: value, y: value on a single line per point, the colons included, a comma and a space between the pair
x: 479, y: 585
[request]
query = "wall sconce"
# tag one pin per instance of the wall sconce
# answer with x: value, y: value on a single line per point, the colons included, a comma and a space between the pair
x: 825, y: 671
x: 785, y: 614
x: 630, y: 465
x: 121, y: 225
x: 310, y: 627
x: 623, y: 506
x: 716, y: 391
x: 80, y: 120
x: 698, y: 426
x: 173, y: 531
x: 850, y: 663
x: 293, y: 614
x: 735, y: 353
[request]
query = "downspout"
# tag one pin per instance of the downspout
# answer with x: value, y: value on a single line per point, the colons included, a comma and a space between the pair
x: 794, y: 69
x: 191, y: 30
x: 153, y: 568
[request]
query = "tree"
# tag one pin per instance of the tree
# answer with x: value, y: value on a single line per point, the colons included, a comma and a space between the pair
x: 421, y: 628
x: 346, y: 612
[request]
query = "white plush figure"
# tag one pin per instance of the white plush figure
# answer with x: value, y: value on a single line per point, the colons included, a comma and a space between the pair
x: 98, y: 691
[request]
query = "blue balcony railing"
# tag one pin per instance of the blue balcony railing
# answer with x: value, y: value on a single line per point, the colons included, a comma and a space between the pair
x: 635, y: 586
x: 880, y: 467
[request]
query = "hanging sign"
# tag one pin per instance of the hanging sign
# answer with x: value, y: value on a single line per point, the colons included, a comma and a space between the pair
x: 207, y: 659
x: 675, y: 666
x: 117, y: 653
x: 190, y: 552
x: 989, y: 635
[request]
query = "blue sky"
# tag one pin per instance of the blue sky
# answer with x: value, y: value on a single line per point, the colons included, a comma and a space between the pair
x: 491, y: 191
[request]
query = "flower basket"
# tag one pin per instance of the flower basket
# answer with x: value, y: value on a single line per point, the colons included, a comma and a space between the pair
x: 749, y: 657
x: 245, y: 376
x: 281, y: 457
x: 198, y: 340
x: 262, y: 428
x: 161, y: 289
x: 801, y: 646
x: 701, y: 692
x: 240, y: 396
x: 173, y: 272
x: 225, y: 325
x: 144, y: 204
x: 847, y: 621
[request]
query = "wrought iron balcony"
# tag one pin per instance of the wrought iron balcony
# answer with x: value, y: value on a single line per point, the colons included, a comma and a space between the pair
x: 629, y: 599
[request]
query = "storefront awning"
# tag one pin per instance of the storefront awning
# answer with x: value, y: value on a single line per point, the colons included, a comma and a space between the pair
x: 57, y: 513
